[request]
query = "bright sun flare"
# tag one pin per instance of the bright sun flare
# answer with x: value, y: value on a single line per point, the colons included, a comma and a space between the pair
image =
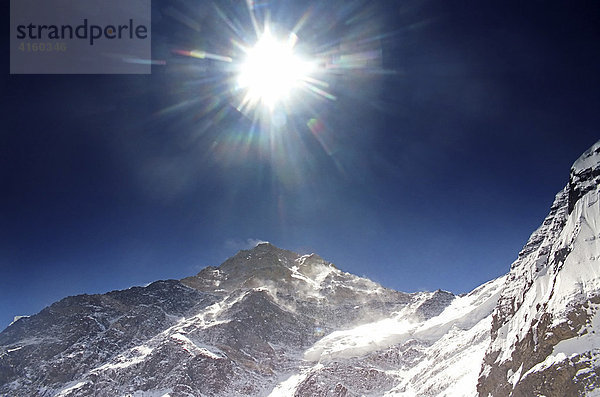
x: 271, y: 71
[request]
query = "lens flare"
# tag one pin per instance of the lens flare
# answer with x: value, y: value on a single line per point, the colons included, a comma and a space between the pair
x: 277, y: 86
x: 271, y: 71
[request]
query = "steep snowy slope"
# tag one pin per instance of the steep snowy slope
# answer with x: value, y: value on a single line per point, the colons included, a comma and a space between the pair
x: 544, y: 332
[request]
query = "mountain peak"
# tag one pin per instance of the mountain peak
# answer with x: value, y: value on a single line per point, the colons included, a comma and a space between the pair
x: 264, y: 245
x: 262, y: 255
x: 264, y: 264
x: 585, y: 175
x: 589, y: 159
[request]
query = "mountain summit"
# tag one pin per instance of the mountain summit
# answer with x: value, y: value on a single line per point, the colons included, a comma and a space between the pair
x: 271, y: 322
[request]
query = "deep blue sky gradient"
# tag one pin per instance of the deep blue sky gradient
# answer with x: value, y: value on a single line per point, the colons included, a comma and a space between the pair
x: 434, y: 175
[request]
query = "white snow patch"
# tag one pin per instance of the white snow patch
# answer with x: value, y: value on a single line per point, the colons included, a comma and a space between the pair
x: 72, y: 386
x: 133, y: 356
x: 547, y: 363
x: 194, y: 347
x: 288, y: 387
x: 514, y: 378
x: 17, y: 318
x: 209, y: 317
x: 14, y: 349
x: 296, y: 274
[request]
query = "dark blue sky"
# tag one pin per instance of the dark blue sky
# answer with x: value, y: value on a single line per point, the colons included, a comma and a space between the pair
x: 429, y: 171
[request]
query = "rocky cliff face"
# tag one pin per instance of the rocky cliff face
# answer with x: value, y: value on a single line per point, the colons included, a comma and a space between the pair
x: 544, y: 339
x: 270, y: 322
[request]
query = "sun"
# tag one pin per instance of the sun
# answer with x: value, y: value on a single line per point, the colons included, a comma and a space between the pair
x: 271, y: 71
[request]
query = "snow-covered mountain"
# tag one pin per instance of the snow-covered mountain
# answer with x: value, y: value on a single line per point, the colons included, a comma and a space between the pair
x: 545, y: 329
x: 270, y: 322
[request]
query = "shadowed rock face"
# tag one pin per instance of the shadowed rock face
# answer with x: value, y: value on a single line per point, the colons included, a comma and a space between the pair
x: 272, y: 322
